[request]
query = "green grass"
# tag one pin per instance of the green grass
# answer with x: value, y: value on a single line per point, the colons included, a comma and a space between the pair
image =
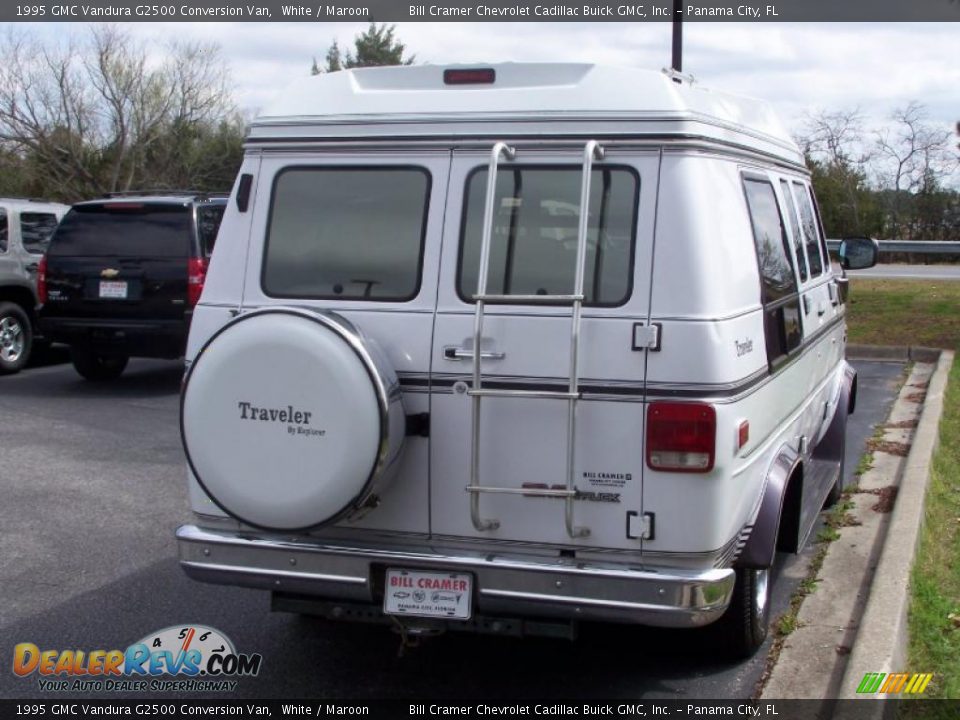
x: 904, y: 312
x: 935, y: 600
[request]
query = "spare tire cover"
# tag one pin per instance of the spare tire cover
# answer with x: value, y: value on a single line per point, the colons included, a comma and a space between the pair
x: 291, y: 419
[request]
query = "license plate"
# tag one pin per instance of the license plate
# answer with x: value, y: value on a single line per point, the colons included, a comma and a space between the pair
x: 113, y: 289
x: 428, y: 594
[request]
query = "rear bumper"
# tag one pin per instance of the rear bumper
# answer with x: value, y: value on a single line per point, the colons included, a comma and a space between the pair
x: 527, y: 586
x: 141, y: 338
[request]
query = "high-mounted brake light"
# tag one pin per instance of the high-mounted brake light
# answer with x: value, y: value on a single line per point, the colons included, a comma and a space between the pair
x: 123, y: 206
x: 470, y: 76
x: 196, y: 275
x: 681, y: 437
x: 42, y: 280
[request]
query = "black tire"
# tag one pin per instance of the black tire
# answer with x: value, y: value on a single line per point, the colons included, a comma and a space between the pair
x: 96, y: 366
x: 16, y: 338
x: 747, y: 620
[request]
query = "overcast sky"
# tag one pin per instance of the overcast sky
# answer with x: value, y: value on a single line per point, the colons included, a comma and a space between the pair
x: 798, y: 67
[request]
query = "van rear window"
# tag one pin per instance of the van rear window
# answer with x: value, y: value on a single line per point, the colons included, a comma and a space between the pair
x: 346, y: 233
x: 536, y: 218
x: 124, y: 230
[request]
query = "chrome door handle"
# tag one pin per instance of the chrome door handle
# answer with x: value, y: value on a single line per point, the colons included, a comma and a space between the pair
x: 33, y: 267
x: 458, y: 353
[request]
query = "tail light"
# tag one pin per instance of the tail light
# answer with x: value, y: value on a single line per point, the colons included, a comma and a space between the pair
x: 42, y: 280
x: 196, y: 275
x: 681, y: 437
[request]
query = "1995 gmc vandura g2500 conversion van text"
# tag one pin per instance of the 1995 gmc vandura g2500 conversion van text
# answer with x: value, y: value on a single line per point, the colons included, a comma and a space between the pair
x: 504, y: 348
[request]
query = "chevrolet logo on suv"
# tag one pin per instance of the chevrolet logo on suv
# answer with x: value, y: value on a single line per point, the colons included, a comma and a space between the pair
x: 109, y: 273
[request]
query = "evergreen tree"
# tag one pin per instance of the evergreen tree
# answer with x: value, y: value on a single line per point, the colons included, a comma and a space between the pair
x: 376, y: 47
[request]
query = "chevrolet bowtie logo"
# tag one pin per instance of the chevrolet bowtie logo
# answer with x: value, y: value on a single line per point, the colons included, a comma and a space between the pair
x: 109, y: 273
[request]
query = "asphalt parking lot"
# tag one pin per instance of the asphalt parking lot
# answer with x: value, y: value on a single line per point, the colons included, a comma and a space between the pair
x: 93, y: 489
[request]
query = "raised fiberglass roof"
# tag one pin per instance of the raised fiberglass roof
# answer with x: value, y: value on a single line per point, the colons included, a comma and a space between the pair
x: 417, y: 98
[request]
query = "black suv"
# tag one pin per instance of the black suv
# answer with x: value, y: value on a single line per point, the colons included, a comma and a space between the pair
x: 122, y: 275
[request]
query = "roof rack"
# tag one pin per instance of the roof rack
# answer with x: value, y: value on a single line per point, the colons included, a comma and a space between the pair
x: 164, y: 191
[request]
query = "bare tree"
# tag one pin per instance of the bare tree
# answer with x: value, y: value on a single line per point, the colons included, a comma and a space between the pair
x: 87, y: 115
x: 834, y: 143
x: 914, y: 160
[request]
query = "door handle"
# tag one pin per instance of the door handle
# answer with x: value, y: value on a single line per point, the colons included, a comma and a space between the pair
x: 457, y: 353
x: 33, y: 267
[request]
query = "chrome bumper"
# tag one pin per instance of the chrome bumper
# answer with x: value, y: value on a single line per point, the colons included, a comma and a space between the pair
x: 527, y: 586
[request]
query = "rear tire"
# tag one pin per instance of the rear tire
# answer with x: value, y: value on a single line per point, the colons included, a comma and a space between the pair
x: 748, y: 618
x: 16, y: 338
x: 96, y: 366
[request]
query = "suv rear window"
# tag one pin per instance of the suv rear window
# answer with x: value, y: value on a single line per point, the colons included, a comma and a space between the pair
x: 124, y: 229
x: 535, y: 225
x: 3, y: 231
x: 346, y: 233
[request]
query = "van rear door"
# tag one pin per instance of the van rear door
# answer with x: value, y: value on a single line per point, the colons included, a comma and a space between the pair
x: 515, y: 461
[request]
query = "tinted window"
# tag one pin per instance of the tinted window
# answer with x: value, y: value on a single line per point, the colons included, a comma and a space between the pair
x: 823, y: 238
x: 208, y: 223
x: 791, y: 211
x: 3, y: 230
x: 35, y: 231
x: 124, y: 229
x: 346, y: 233
x: 776, y: 274
x: 810, y: 238
x: 534, y: 239
x: 781, y: 312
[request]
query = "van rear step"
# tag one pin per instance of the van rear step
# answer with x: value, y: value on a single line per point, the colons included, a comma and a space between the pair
x: 359, y: 612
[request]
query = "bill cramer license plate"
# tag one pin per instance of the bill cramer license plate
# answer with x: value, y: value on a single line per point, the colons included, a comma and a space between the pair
x: 113, y: 289
x: 427, y: 594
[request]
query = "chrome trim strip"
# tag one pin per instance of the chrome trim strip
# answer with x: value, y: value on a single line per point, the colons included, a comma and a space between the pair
x: 592, y: 602
x: 266, y: 574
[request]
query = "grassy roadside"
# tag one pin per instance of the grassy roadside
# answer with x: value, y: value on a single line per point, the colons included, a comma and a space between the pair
x: 926, y: 313
x: 935, y: 602
x: 904, y: 312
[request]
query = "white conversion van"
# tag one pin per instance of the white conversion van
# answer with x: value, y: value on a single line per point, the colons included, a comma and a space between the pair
x: 504, y: 348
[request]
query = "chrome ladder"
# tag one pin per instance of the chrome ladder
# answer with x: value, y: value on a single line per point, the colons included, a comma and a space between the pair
x: 592, y: 150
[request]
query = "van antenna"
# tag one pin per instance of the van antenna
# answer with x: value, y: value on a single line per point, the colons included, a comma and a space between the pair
x: 677, y: 63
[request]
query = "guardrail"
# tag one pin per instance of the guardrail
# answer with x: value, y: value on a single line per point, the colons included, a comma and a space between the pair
x: 921, y: 247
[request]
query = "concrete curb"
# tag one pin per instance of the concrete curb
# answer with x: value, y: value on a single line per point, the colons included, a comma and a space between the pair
x: 882, y: 648
x: 892, y: 353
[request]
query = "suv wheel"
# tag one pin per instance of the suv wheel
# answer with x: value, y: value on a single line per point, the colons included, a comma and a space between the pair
x: 96, y: 366
x: 16, y: 338
x: 748, y: 617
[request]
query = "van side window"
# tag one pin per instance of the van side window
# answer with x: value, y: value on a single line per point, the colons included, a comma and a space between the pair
x: 35, y: 231
x: 535, y: 224
x: 346, y: 233
x: 776, y: 273
x: 811, y: 238
x: 3, y: 230
x: 794, y: 230
x: 781, y: 304
x: 823, y: 236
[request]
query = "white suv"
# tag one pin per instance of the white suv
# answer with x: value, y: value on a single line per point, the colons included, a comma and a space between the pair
x: 510, y: 347
x: 25, y: 229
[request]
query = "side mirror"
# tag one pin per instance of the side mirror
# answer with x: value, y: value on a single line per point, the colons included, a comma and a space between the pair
x: 857, y: 253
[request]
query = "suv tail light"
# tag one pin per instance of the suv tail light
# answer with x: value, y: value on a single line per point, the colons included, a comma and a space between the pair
x: 681, y: 437
x: 196, y: 275
x: 42, y: 280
